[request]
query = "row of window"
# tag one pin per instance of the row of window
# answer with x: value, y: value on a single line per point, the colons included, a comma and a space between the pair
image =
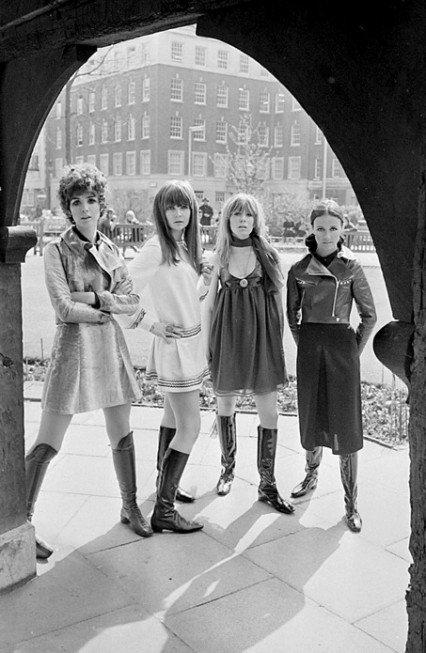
x: 223, y: 59
x: 199, y: 91
x: 244, y: 132
x: 126, y: 164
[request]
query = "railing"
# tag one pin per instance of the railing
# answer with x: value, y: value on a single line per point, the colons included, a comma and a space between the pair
x: 360, y: 241
x: 45, y: 229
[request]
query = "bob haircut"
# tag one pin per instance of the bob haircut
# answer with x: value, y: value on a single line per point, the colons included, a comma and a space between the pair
x: 79, y: 179
x: 327, y: 207
x: 235, y: 204
x: 177, y: 193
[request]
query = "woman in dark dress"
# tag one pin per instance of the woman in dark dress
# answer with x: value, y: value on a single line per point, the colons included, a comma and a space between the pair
x: 245, y: 325
x: 321, y: 288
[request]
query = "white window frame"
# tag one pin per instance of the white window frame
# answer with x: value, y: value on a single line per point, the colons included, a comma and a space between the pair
x: 176, y: 128
x: 243, y: 99
x: 104, y: 98
x: 200, y: 93
x: 146, y: 126
x: 277, y: 168
x: 92, y: 101
x: 222, y: 59
x: 176, y: 51
x: 104, y: 163
x: 117, y: 164
x: 221, y: 131
x: 199, y: 163
x: 117, y: 130
x: 200, y: 55
x: 279, y: 102
x: 145, y: 162
x: 279, y: 135
x: 222, y: 96
x: 104, y: 131
x: 294, y: 167
x: 146, y: 89
x: 131, y: 128
x: 220, y: 162
x: 131, y: 92
x: 296, y: 134
x: 92, y: 133
x: 265, y: 102
x: 176, y: 89
x: 175, y: 162
x: 131, y: 163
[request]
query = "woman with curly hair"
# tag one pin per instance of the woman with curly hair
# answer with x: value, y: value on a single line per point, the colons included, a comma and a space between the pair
x: 244, y: 307
x: 90, y: 367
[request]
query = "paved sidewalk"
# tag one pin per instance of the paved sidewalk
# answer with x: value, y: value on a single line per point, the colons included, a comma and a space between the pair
x: 252, y: 581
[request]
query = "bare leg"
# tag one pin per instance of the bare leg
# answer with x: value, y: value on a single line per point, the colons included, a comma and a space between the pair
x: 186, y: 409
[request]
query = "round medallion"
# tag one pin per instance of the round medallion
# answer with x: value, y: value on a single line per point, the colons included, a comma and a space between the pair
x: 243, y: 283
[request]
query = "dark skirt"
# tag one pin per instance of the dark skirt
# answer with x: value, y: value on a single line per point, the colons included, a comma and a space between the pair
x: 329, y: 388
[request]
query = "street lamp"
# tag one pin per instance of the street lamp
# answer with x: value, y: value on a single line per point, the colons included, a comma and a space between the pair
x: 324, y: 170
x: 195, y: 128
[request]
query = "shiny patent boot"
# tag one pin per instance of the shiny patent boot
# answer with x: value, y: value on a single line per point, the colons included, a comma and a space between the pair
x: 309, y: 483
x: 266, y: 450
x: 124, y: 463
x: 165, y: 516
x: 348, y: 474
x: 36, y: 464
x: 228, y: 446
x: 165, y: 436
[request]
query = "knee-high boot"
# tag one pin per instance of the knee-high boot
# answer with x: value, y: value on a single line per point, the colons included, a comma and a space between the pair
x: 36, y: 464
x: 124, y: 463
x: 228, y: 446
x: 266, y: 450
x: 165, y: 436
x: 313, y: 460
x: 165, y: 516
x: 348, y: 474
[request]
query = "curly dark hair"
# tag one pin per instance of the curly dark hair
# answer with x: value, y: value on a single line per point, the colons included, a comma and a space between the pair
x: 79, y: 179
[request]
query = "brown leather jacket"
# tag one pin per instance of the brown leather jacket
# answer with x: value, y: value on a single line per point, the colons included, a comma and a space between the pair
x: 316, y: 293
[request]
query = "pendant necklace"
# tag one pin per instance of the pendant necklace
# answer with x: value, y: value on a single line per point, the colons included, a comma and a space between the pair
x: 243, y: 281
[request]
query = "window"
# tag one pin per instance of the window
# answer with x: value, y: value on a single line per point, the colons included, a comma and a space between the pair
x: 117, y: 131
x: 92, y: 133
x: 221, y: 131
x: 199, y: 93
x: 219, y: 197
x: 263, y: 136
x: 104, y: 132
x: 244, y: 63
x: 131, y: 129
x: 79, y: 160
x: 264, y: 103
x: 79, y: 135
x: 336, y: 169
x: 243, y: 133
x: 146, y: 126
x: 131, y: 57
x: 222, y: 59
x: 279, y: 103
x: 58, y: 138
x: 220, y: 165
x: 91, y: 158
x: 117, y: 164
x: 294, y: 167
x: 104, y: 98
x: 131, y: 93
x: 117, y: 95
x: 199, y: 164
x: 278, y: 136
x: 59, y: 109
x: 144, y: 54
x: 317, y: 168
x: 131, y: 163
x: 318, y: 136
x: 104, y: 164
x: 145, y: 162
x: 91, y: 101
x: 295, y: 106
x: 146, y: 89
x: 295, y: 138
x: 277, y: 168
x: 79, y: 105
x: 177, y: 51
x: 243, y: 99
x: 176, y: 90
x: 200, y: 56
x: 175, y: 162
x: 175, y: 127
x: 222, y: 96
x: 200, y: 132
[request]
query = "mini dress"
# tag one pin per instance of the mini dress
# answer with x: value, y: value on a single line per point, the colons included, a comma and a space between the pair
x: 246, y: 337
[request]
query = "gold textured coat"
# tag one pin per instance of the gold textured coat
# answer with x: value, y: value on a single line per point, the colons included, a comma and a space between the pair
x: 90, y: 364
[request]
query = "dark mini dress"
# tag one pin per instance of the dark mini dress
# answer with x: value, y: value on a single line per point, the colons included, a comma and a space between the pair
x: 246, y: 337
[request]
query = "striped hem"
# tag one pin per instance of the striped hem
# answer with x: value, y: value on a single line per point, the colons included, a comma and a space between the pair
x: 177, y: 384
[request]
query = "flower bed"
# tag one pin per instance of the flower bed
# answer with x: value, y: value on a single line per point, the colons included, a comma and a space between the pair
x: 384, y: 408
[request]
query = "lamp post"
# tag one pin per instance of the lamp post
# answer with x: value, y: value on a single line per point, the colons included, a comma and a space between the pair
x: 191, y: 130
x: 324, y: 170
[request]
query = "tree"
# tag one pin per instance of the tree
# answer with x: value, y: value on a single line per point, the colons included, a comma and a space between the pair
x: 247, y: 159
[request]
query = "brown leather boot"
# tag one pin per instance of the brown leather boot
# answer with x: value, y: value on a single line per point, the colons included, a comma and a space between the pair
x: 36, y: 464
x: 124, y: 463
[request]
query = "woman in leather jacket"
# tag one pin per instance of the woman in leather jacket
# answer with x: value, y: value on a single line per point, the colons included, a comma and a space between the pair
x: 321, y: 289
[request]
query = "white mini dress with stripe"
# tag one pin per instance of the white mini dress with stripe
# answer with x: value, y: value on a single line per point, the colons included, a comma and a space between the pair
x: 179, y: 365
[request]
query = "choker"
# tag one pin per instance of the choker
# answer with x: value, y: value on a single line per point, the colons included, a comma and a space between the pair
x: 238, y: 242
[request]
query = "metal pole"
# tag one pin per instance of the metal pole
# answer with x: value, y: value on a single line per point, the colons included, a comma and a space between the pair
x: 324, y: 171
x: 189, y: 151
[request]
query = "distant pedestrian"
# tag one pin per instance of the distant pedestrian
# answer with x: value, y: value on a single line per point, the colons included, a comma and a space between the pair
x: 321, y: 289
x: 131, y: 219
x: 206, y: 213
x: 90, y: 366
x: 107, y: 222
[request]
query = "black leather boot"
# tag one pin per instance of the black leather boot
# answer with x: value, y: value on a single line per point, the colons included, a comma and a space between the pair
x: 165, y: 436
x: 313, y: 460
x: 165, y: 516
x: 36, y: 464
x: 348, y: 474
x: 228, y: 446
x: 266, y: 450
x: 124, y: 463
